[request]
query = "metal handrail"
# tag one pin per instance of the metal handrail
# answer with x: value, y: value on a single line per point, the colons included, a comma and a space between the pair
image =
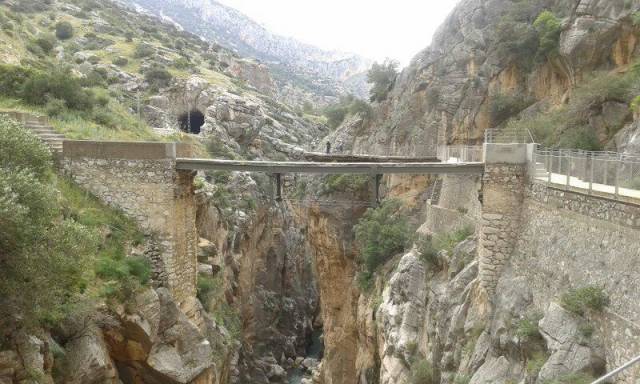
x: 493, y: 135
x: 615, y: 372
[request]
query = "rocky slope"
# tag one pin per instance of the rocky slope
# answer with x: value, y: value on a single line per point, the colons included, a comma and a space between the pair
x: 296, y: 66
x: 485, y: 66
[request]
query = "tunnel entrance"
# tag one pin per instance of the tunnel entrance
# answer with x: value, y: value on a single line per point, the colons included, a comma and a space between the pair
x: 191, y: 122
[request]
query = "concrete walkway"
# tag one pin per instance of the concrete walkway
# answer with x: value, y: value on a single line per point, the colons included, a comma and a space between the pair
x: 560, y: 181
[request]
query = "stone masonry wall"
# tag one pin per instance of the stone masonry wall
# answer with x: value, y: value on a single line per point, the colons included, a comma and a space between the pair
x: 571, y: 240
x: 503, y: 193
x: 141, y: 180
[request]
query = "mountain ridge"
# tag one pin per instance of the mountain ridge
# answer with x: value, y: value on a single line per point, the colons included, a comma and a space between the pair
x: 333, y: 73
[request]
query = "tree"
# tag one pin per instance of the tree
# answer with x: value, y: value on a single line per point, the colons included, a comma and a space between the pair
x: 382, y: 77
x: 548, y: 27
x: 64, y: 30
x: 335, y: 114
x: 381, y: 233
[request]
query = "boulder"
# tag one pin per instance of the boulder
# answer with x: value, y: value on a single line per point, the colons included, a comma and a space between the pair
x: 182, y: 353
x: 570, y: 352
x: 88, y: 361
x: 497, y: 371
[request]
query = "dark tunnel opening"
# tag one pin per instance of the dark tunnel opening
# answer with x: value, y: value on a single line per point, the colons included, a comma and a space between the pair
x: 191, y: 122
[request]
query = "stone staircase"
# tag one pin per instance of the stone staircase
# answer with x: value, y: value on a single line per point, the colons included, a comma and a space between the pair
x: 41, y: 127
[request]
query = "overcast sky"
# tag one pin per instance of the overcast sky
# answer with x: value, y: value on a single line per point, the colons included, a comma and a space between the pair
x: 398, y: 29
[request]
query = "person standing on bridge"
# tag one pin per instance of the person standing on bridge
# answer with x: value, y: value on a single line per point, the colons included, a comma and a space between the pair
x: 328, y: 147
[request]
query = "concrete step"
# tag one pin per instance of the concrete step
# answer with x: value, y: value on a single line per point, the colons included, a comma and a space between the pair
x: 42, y: 130
x: 45, y: 136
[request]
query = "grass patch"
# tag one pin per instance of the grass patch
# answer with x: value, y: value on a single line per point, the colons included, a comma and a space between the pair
x: 581, y: 300
x: 422, y: 372
x: 448, y: 241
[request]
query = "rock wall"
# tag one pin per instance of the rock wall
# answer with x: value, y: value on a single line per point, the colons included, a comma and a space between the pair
x: 141, y: 180
x: 570, y: 240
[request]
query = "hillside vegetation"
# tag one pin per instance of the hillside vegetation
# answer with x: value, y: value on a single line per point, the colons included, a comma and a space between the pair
x: 49, y: 224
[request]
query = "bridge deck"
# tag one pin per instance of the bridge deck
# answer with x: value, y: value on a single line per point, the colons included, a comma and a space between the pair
x: 330, y: 167
x: 360, y: 158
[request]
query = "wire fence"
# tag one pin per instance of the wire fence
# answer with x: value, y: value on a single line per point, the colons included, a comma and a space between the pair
x: 508, y: 136
x: 608, y: 173
x: 390, y: 150
x: 461, y: 153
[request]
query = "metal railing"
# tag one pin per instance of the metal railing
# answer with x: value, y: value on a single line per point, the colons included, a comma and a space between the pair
x: 608, y: 173
x: 408, y: 150
x: 617, y: 371
x: 460, y: 153
x: 508, y: 136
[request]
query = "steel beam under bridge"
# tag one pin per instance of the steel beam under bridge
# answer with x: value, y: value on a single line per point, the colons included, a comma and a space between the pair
x: 278, y: 167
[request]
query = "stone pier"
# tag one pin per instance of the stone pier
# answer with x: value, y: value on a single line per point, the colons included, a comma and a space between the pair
x: 503, y: 191
x: 141, y: 180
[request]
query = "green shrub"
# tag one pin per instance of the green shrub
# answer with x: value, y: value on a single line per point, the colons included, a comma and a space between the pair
x: 64, y: 30
x: 335, y: 115
x: 422, y: 372
x: 503, y: 107
x: 21, y: 149
x: 46, y: 43
x: 345, y: 183
x: 58, y: 84
x: 43, y: 255
x: 120, y: 61
x: 527, y: 329
x: 381, y: 233
x: 55, y: 108
x: 516, y: 40
x: 206, y: 287
x: 536, y: 362
x: 12, y: 80
x: 382, y: 77
x: 448, y: 241
x: 428, y: 252
x: 580, y: 300
x: 143, y: 50
x: 548, y: 27
x: 158, y: 77
x: 362, y: 108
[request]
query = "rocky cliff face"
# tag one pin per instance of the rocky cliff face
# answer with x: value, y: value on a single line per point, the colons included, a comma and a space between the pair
x: 438, y: 316
x: 455, y: 89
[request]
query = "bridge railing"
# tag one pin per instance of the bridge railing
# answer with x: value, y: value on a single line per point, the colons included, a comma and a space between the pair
x: 608, y: 173
x: 460, y: 153
x: 508, y: 136
x: 408, y: 150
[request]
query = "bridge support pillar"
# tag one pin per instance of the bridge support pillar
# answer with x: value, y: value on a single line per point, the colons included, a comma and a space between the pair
x: 278, y: 187
x: 141, y: 179
x: 376, y: 193
x: 503, y: 189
